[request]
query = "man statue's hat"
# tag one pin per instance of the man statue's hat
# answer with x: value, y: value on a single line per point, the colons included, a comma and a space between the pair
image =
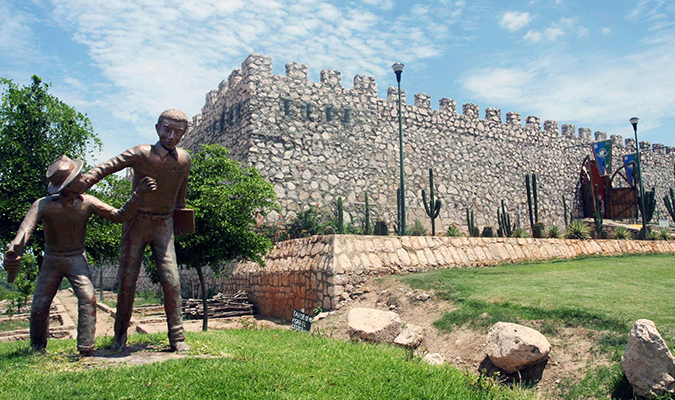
x: 62, y: 172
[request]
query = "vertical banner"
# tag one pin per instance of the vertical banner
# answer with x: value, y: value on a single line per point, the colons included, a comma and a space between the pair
x: 630, y: 169
x: 603, y: 155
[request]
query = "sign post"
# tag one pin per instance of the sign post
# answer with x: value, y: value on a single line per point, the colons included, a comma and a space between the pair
x: 301, y: 321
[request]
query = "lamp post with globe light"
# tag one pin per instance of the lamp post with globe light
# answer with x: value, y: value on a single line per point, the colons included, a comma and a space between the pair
x: 398, y: 70
x: 634, y: 122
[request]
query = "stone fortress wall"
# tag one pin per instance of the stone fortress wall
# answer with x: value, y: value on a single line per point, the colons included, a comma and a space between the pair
x: 316, y: 141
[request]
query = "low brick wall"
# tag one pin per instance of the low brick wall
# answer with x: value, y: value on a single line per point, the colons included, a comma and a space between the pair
x: 326, y: 270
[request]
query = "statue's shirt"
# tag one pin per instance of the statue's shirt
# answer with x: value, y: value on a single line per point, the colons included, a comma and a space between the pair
x: 168, y: 168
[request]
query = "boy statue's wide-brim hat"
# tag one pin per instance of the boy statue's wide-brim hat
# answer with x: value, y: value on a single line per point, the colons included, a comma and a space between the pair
x: 62, y: 172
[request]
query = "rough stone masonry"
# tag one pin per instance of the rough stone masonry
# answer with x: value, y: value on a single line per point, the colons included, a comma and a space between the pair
x: 317, y: 141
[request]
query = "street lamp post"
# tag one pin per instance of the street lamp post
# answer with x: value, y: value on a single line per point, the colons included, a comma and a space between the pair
x: 634, y: 122
x: 398, y: 70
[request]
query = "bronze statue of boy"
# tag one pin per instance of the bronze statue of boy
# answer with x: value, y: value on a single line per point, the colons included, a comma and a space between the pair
x: 153, y: 223
x: 64, y: 217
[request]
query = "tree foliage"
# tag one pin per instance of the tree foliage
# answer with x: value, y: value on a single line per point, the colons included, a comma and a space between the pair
x: 35, y: 129
x: 226, y: 198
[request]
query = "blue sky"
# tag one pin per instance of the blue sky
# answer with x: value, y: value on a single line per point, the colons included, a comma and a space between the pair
x: 589, y: 63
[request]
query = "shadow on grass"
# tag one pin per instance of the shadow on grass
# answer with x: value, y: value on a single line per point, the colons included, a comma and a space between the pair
x: 481, y: 314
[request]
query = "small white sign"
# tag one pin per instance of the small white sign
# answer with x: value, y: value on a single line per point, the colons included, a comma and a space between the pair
x: 663, y: 223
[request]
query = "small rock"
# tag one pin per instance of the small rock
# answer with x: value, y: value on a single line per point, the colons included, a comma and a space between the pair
x: 647, y: 362
x: 422, y: 297
x: 513, y: 347
x: 411, y: 336
x: 321, y: 316
x: 434, y: 359
x: 373, y: 325
x: 345, y: 296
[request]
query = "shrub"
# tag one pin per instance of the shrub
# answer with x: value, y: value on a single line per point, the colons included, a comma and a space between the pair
x: 453, y: 231
x: 487, y: 232
x: 621, y: 233
x: 653, y: 235
x: 381, y: 228
x: 577, y: 229
x: 538, y: 230
x: 475, y: 232
x: 554, y: 232
x: 519, y: 233
x: 329, y: 230
x: 308, y: 220
x: 640, y: 236
x: 418, y: 229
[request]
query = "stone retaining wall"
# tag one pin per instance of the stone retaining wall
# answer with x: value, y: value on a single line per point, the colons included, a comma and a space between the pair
x: 328, y: 270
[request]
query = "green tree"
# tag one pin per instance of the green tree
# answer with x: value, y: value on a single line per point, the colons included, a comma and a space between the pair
x: 226, y: 198
x: 35, y: 129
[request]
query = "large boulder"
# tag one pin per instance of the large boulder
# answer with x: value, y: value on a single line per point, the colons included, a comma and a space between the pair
x: 513, y: 347
x: 647, y: 361
x: 373, y: 325
x: 411, y: 336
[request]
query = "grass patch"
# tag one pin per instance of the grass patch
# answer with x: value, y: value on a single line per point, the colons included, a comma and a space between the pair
x: 606, y: 293
x: 262, y: 364
x: 145, y: 297
x: 13, y: 325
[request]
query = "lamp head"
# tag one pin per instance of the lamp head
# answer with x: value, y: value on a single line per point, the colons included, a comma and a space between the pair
x: 634, y: 121
x: 398, y: 69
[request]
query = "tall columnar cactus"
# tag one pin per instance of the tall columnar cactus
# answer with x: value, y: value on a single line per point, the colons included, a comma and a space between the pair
x: 505, y: 227
x: 473, y: 229
x: 650, y: 204
x: 340, y: 217
x: 432, y: 208
x: 597, y: 216
x: 367, y: 231
x: 670, y: 203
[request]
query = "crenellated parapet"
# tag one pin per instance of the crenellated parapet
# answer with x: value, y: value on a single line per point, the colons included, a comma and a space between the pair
x: 316, y: 141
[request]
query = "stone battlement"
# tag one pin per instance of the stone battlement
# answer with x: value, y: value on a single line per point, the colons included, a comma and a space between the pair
x: 316, y: 141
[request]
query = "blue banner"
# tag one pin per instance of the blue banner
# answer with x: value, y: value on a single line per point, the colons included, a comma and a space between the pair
x: 630, y: 169
x: 603, y: 155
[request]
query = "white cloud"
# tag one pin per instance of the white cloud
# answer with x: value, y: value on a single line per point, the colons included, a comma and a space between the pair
x: 552, y: 34
x: 583, y: 32
x: 606, y: 31
x: 514, y: 20
x: 17, y: 39
x: 533, y: 36
x: 383, y: 4
x: 592, y: 89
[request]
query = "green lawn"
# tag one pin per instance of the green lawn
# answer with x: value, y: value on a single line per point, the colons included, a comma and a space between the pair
x: 596, y: 292
x: 264, y: 364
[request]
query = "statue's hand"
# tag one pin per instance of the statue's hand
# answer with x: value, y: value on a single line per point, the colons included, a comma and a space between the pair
x: 146, y: 185
x: 12, y: 261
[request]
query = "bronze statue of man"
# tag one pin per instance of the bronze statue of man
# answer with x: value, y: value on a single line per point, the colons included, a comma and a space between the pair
x: 153, y: 224
x: 64, y: 217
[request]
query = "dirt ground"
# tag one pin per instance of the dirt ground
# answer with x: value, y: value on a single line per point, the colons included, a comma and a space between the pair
x: 573, y: 349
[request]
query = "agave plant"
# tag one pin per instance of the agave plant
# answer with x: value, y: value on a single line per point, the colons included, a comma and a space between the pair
x: 519, y: 233
x: 653, y: 235
x: 621, y: 233
x: 553, y: 232
x: 664, y: 234
x: 577, y: 229
x: 453, y: 231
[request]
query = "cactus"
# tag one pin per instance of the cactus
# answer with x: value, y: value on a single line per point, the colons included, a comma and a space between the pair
x: 532, y: 198
x: 650, y: 204
x: 597, y: 216
x: 565, y: 211
x: 670, y: 203
x: 367, y: 230
x: 504, y: 219
x: 340, y: 217
x: 381, y: 228
x: 473, y: 229
x: 487, y: 232
x: 432, y: 208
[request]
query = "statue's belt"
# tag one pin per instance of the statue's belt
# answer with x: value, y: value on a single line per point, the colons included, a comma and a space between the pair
x: 77, y: 252
x: 153, y: 217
